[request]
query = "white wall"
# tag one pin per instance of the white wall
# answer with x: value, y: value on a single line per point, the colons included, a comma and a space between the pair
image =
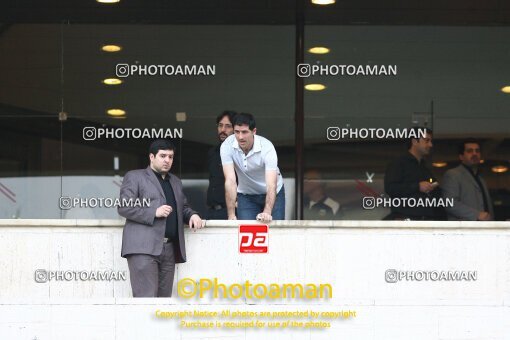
x: 350, y: 255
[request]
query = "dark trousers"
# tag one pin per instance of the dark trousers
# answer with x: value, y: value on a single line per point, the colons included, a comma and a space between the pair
x: 152, y: 276
x: 219, y: 214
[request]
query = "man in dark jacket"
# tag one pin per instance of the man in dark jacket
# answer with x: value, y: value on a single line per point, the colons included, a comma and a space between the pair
x: 153, y: 237
x: 408, y: 177
x: 217, y: 209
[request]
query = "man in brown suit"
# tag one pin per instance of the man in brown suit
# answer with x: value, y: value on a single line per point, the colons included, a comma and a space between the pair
x: 153, y: 237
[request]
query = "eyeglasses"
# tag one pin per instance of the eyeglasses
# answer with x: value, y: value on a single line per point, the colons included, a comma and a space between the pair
x: 227, y: 126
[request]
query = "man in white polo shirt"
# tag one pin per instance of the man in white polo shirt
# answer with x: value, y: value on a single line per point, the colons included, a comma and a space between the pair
x: 260, y: 193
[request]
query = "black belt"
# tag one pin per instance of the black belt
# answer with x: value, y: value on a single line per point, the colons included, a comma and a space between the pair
x: 217, y: 207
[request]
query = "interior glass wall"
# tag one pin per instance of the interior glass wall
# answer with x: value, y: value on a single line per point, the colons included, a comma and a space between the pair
x: 84, y: 152
x: 449, y: 79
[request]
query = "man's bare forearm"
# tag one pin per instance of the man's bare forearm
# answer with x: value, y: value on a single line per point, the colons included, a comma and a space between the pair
x: 230, y: 197
x: 270, y: 199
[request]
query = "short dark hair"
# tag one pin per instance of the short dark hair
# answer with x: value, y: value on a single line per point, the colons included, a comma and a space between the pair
x: 161, y: 144
x: 230, y: 114
x: 245, y: 119
x: 462, y: 145
x: 417, y: 132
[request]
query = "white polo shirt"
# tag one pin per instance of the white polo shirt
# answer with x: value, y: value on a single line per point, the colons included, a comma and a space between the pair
x: 251, y: 168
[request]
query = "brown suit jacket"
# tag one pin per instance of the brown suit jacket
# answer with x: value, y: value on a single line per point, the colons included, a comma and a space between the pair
x: 143, y: 232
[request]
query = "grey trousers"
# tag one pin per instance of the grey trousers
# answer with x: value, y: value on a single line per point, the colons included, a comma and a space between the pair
x: 152, y: 276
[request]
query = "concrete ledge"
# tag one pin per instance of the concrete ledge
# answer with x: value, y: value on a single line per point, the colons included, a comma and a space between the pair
x: 353, y: 256
x: 182, y: 303
x: 357, y: 224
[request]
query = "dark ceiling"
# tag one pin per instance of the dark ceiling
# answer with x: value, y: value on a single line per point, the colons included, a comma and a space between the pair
x: 263, y: 12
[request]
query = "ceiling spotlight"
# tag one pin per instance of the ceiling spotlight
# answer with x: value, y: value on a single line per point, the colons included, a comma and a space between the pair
x: 116, y: 112
x: 180, y: 116
x: 505, y: 89
x: 315, y: 87
x: 108, y: 1
x: 323, y: 2
x: 499, y: 169
x: 112, y: 81
x: 319, y: 50
x: 111, y: 48
x: 439, y: 164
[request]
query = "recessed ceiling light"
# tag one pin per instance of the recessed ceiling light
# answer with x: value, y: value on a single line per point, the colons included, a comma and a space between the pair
x: 505, y: 89
x: 323, y: 2
x: 319, y: 50
x: 499, y: 168
x: 112, y: 81
x: 439, y: 164
x: 180, y: 116
x: 315, y: 87
x: 116, y: 112
x: 108, y: 1
x: 111, y: 48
